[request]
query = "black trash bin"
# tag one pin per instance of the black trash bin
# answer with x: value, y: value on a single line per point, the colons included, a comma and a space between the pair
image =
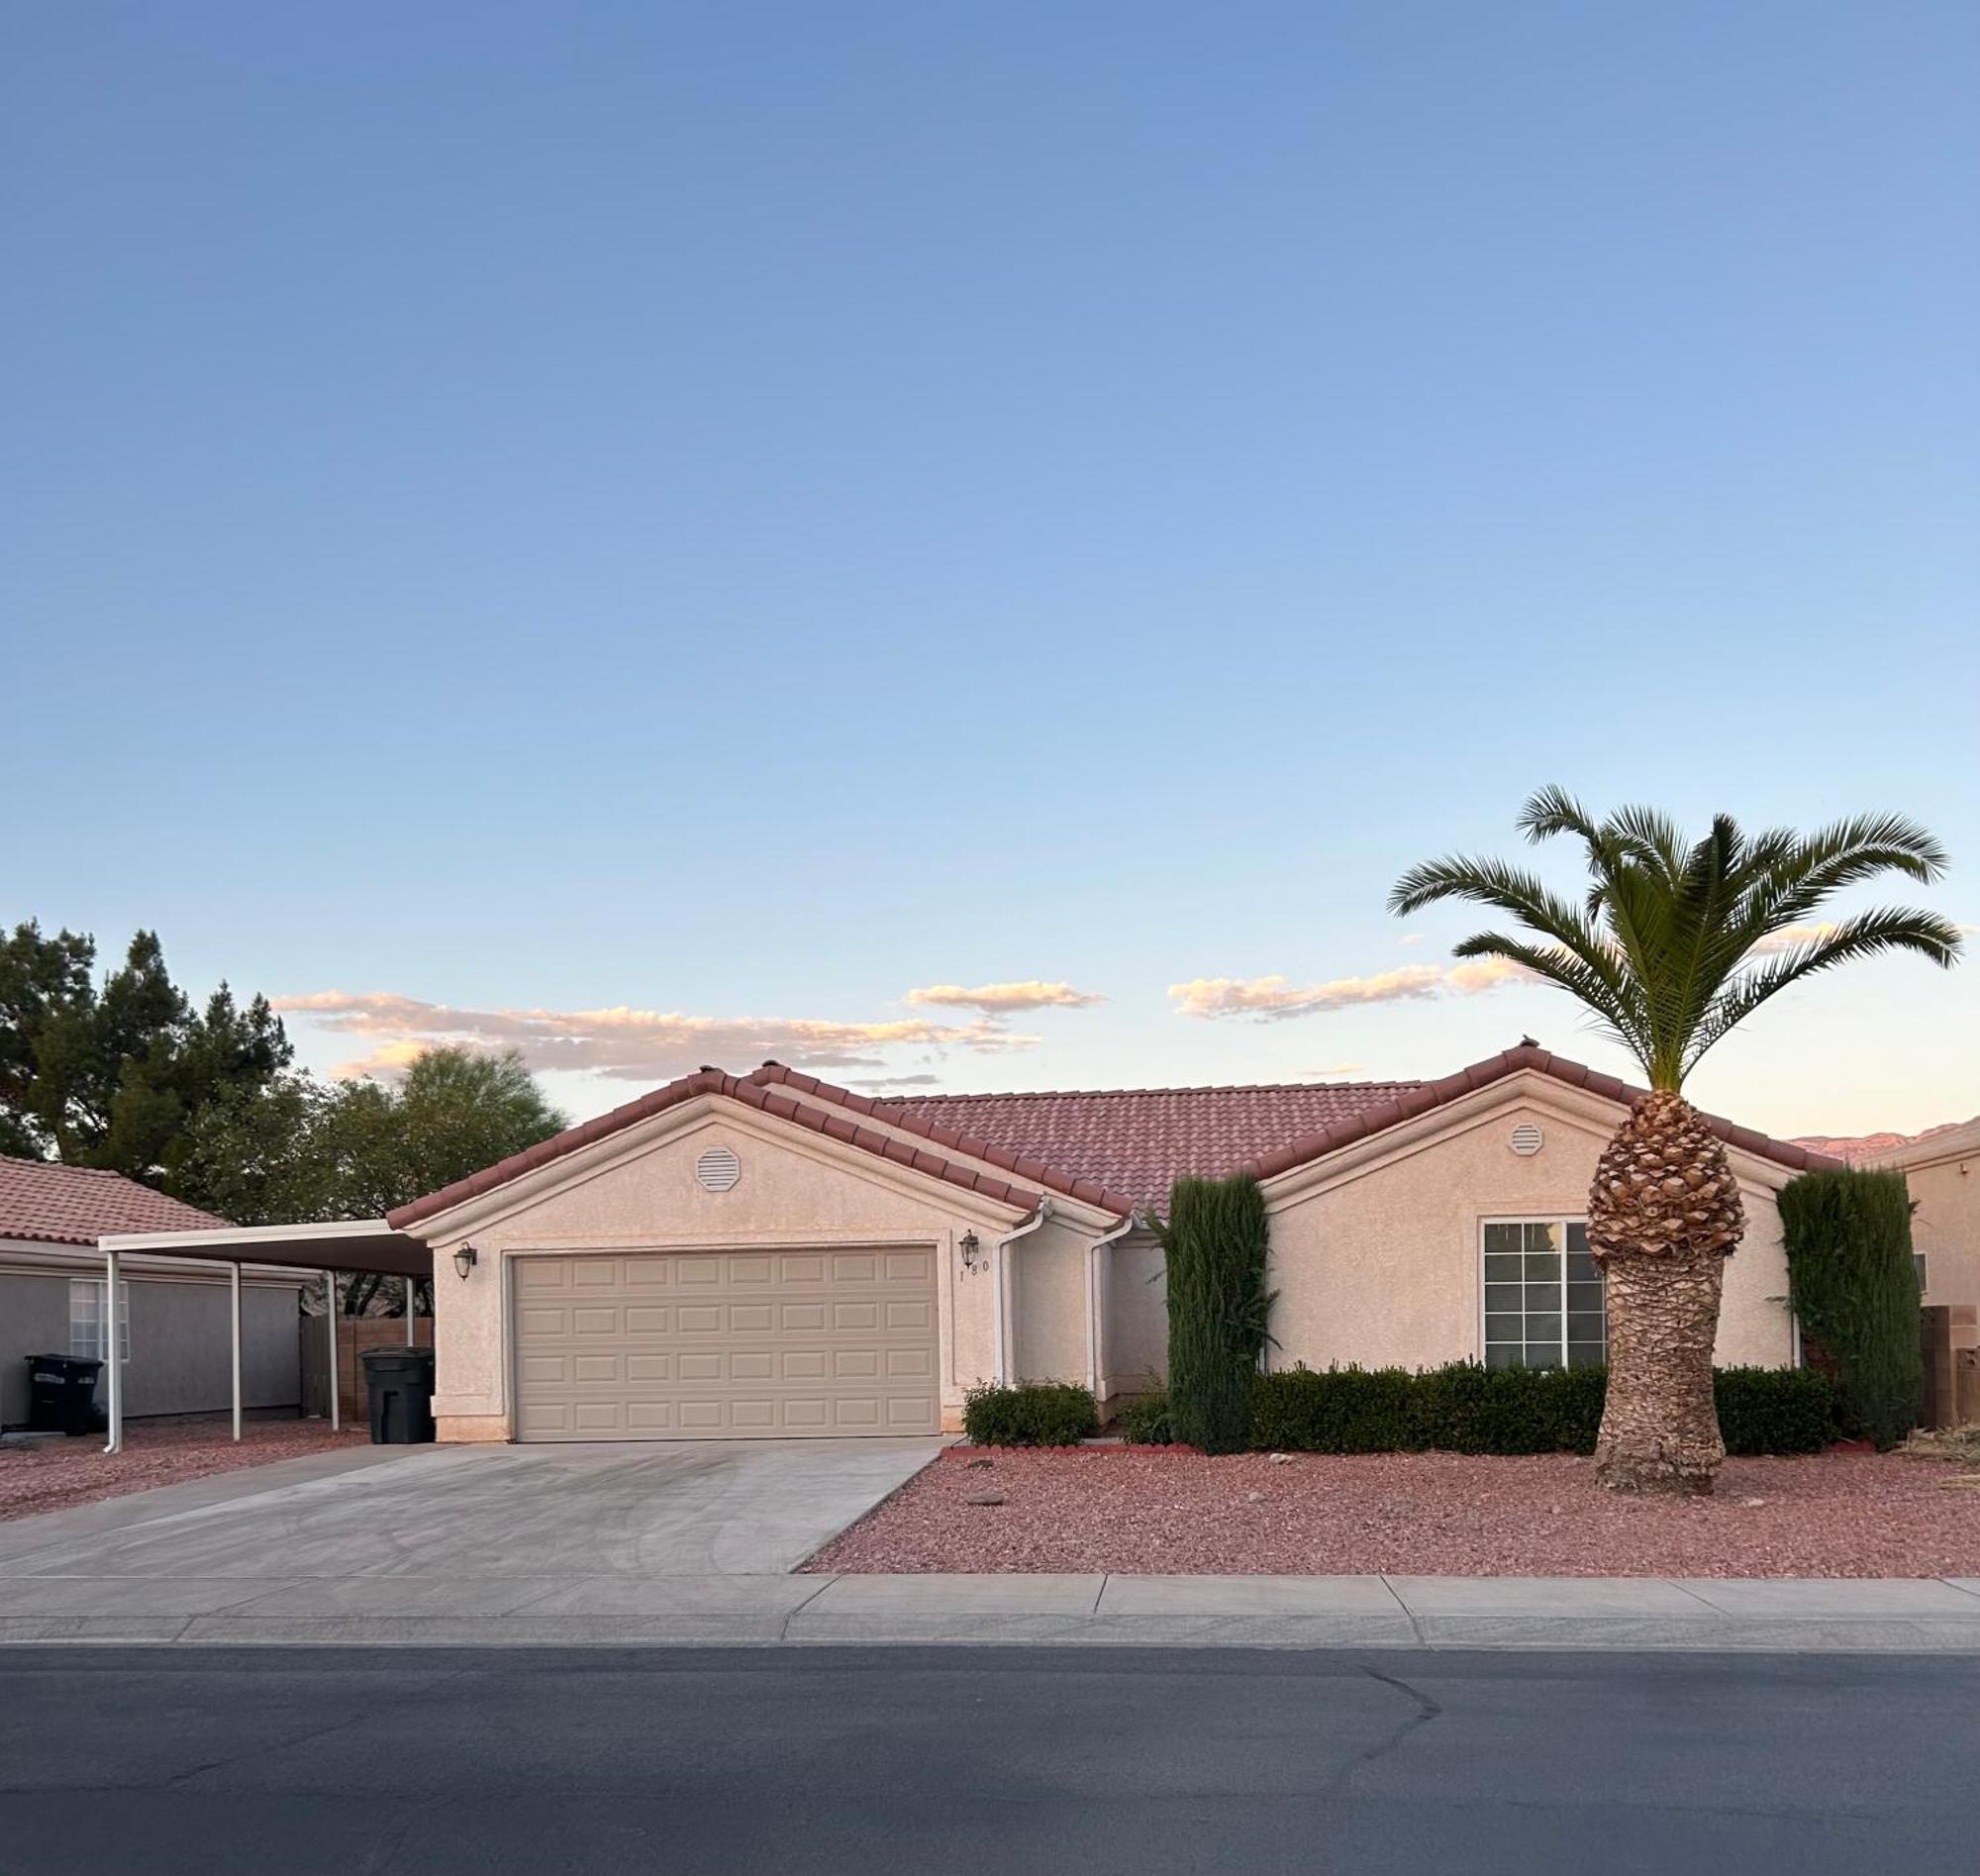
x: 61, y: 1394
x: 400, y: 1383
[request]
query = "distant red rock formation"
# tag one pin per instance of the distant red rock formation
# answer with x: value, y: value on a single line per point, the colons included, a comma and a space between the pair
x: 1860, y: 1146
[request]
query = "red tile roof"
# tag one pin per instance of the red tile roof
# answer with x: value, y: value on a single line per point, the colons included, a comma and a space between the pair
x: 1118, y: 1149
x: 1138, y: 1141
x: 977, y: 1142
x: 752, y: 1093
x: 1429, y: 1095
x: 77, y: 1205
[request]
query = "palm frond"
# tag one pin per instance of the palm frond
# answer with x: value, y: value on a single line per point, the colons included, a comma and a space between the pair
x: 1664, y: 947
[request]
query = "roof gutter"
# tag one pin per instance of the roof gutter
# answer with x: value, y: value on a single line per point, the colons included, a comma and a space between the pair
x: 1000, y: 1306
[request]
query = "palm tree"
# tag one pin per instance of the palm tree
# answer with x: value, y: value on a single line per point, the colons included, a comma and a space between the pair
x: 1675, y: 943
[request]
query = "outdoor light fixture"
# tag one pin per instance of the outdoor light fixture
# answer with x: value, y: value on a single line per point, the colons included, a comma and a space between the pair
x: 971, y: 1246
x: 464, y: 1260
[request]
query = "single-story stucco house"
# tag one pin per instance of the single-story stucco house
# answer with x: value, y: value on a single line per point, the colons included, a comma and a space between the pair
x: 172, y: 1331
x: 768, y: 1255
x: 1943, y: 1171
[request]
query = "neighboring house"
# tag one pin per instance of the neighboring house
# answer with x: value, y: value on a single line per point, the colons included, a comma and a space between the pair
x: 768, y: 1256
x: 1943, y: 1170
x: 173, y: 1333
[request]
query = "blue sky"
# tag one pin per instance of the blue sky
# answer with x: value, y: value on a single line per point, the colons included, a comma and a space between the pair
x: 738, y: 513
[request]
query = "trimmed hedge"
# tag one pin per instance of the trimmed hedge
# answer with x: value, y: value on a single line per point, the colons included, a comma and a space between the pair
x: 1214, y: 1245
x: 1147, y: 1421
x: 1466, y: 1408
x: 1042, y: 1414
x: 1775, y: 1409
x: 1854, y: 1287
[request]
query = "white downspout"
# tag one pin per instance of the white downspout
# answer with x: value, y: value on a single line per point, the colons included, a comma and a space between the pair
x: 111, y: 1337
x: 1000, y: 1299
x: 1093, y: 1251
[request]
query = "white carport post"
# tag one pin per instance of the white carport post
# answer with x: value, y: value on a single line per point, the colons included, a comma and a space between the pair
x: 330, y: 1322
x: 233, y: 1334
x: 110, y: 1326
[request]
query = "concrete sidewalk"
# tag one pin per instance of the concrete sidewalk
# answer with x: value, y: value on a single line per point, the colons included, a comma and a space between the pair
x: 1802, y: 1614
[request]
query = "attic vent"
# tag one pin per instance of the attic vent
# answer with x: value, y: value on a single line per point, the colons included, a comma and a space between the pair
x: 1527, y: 1139
x: 718, y: 1169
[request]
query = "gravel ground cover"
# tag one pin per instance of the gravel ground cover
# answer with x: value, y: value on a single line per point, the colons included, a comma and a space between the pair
x: 1176, y: 1513
x: 49, y: 1475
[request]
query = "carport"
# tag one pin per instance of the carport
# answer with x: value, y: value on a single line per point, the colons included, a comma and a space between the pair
x: 352, y: 1246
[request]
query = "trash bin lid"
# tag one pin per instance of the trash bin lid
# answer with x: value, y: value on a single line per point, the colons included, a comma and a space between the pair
x: 73, y: 1366
x: 397, y: 1357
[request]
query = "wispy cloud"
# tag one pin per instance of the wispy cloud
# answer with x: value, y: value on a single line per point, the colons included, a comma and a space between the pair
x: 1792, y: 937
x: 1270, y: 999
x: 1004, y: 999
x: 874, y: 1084
x: 1411, y: 938
x: 628, y: 1044
x: 1336, y: 1068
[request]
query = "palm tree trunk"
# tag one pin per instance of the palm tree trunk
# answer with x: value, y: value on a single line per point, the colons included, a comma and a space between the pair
x: 1663, y: 1216
x: 1660, y: 1422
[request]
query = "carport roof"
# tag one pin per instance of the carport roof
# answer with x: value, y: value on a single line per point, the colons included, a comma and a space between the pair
x: 368, y: 1244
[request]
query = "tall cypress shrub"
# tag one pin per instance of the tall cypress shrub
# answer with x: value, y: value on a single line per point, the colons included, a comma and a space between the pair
x: 1215, y: 1242
x: 1854, y: 1287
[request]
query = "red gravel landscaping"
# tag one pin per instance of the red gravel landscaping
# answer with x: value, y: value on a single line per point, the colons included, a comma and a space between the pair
x: 48, y: 1475
x: 1139, y: 1511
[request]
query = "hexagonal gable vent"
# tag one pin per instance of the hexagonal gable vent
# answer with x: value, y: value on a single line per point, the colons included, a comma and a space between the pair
x: 718, y: 1169
x: 1528, y: 1140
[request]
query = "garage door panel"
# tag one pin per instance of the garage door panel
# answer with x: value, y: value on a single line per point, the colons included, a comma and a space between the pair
x: 746, y: 1344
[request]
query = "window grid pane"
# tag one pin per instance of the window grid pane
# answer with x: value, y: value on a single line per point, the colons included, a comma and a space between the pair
x: 1545, y: 1303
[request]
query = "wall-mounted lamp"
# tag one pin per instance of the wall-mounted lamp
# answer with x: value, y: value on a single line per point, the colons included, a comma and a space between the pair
x: 970, y: 1246
x: 464, y: 1260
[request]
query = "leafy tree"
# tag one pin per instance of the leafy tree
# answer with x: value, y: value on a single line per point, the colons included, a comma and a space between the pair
x: 1675, y: 944
x: 297, y: 1150
x: 111, y: 1074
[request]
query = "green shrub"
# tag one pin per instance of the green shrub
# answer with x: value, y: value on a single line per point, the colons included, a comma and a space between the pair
x: 1775, y: 1409
x: 1854, y: 1287
x: 1040, y: 1414
x: 1465, y: 1407
x: 1214, y: 1245
x: 1145, y: 1422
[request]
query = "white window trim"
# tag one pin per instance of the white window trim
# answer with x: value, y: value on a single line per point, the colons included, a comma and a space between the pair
x: 1561, y: 1219
x: 94, y: 1286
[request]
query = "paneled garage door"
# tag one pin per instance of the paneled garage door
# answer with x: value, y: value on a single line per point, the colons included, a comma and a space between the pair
x: 735, y: 1345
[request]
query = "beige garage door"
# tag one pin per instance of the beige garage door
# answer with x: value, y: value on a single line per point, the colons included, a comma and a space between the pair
x: 737, y: 1345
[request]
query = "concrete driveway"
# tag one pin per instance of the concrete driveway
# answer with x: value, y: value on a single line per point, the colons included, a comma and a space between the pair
x: 449, y: 1533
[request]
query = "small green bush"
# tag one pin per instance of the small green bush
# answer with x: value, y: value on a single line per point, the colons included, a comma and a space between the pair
x: 1040, y: 1414
x: 1775, y: 1409
x: 1465, y: 1407
x: 1145, y: 1422
x: 1854, y: 1287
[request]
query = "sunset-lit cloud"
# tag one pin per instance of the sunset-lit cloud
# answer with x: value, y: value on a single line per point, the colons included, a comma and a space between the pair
x: 1269, y: 999
x: 1792, y: 937
x: 628, y: 1044
x: 1336, y: 1068
x: 1004, y: 999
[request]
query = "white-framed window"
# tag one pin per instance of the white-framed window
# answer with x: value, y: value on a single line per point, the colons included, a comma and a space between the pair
x: 1543, y: 1295
x: 1924, y: 1273
x: 85, y: 1319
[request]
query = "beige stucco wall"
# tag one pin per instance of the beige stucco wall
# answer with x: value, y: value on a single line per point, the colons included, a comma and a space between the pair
x: 1136, y: 1351
x: 1945, y: 1224
x: 1048, y: 1269
x: 1380, y: 1264
x: 638, y: 1191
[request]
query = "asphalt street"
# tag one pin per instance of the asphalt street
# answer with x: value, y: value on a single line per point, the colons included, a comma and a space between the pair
x: 978, y: 1759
